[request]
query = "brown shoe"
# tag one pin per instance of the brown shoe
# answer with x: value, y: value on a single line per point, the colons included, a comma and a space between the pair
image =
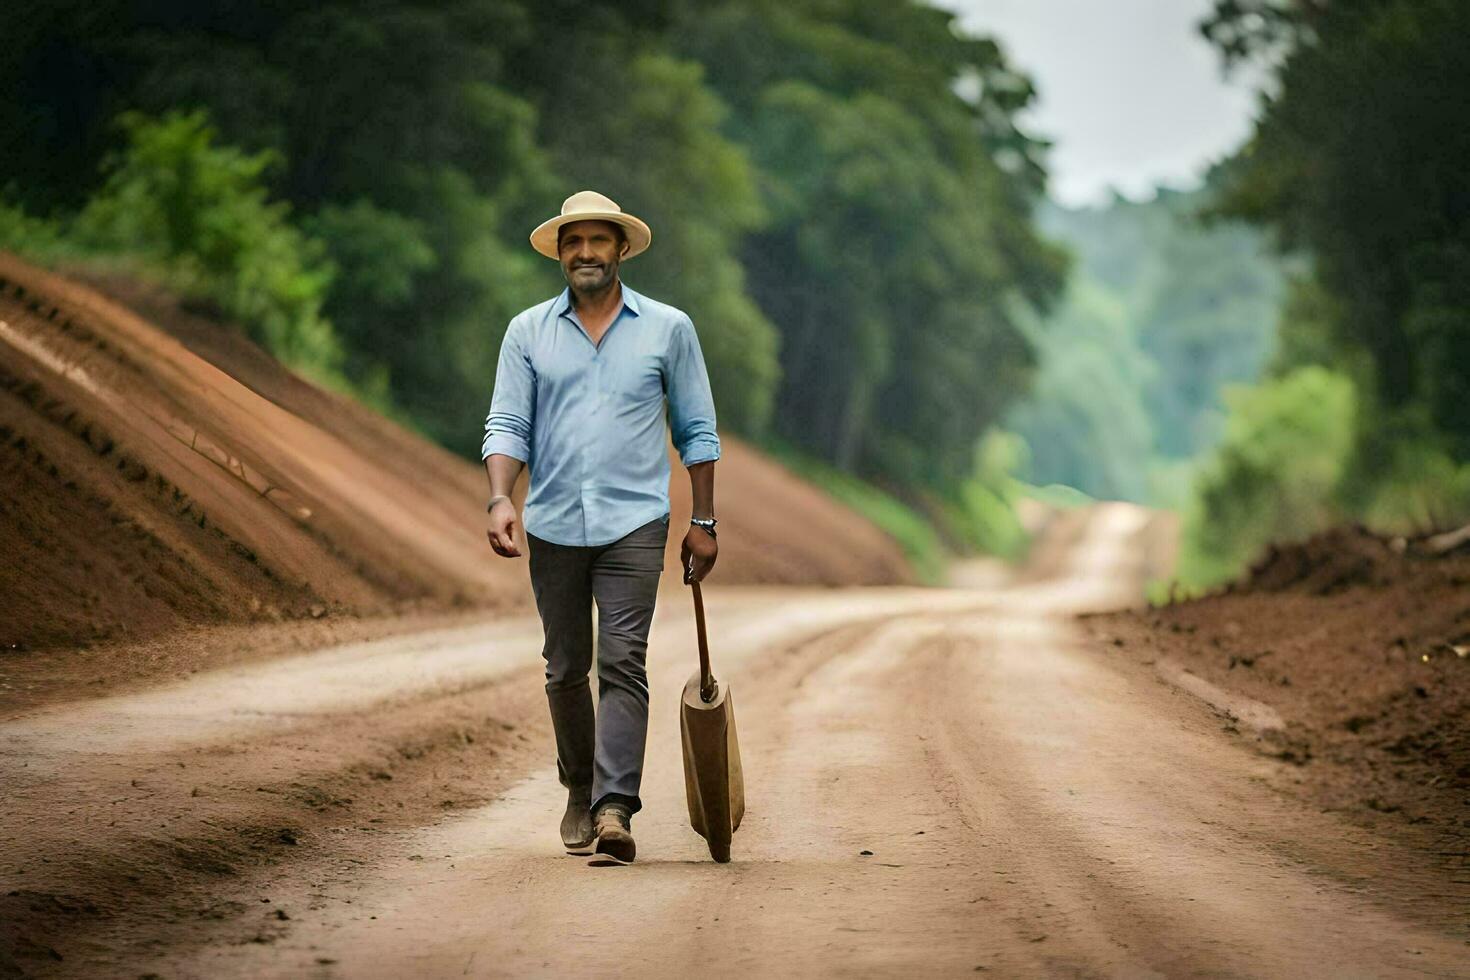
x: 614, y: 839
x: 577, y: 833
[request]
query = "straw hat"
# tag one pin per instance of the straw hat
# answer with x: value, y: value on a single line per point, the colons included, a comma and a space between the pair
x: 590, y: 206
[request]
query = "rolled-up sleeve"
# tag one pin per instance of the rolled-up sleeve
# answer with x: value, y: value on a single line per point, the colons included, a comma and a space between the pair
x: 691, y: 404
x: 512, y: 406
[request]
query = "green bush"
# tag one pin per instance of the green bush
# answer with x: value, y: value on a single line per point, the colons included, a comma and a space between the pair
x: 1405, y: 479
x: 200, y: 214
x: 1276, y: 475
x: 1422, y: 490
x: 36, y: 238
x: 985, y: 513
x: 1058, y: 496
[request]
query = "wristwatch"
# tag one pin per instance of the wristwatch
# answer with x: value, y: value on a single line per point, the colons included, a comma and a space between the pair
x: 707, y: 523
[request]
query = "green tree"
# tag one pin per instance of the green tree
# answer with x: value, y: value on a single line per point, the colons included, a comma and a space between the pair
x: 653, y: 131
x: 1162, y: 312
x: 1276, y: 475
x: 899, y: 241
x: 1359, y: 160
x: 840, y: 193
x: 1085, y: 420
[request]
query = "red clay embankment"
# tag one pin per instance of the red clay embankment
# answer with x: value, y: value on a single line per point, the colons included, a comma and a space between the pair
x: 158, y: 470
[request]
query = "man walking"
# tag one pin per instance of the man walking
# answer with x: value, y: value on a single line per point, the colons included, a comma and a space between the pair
x: 580, y: 392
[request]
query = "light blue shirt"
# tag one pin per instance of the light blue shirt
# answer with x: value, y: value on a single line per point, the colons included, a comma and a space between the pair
x: 589, y: 418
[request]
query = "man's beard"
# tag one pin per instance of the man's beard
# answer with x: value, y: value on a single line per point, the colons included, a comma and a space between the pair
x: 586, y: 284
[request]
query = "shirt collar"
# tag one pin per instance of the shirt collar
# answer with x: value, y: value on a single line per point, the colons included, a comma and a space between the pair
x: 630, y: 301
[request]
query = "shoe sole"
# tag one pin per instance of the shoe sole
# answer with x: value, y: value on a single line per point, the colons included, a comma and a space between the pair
x: 579, y: 850
x: 605, y: 854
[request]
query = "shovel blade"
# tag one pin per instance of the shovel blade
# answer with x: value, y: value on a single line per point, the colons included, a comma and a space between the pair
x: 713, y: 780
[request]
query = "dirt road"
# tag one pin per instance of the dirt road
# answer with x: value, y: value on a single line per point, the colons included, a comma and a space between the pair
x: 939, y: 782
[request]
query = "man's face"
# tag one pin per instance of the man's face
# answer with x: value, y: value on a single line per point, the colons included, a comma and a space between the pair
x: 590, y: 252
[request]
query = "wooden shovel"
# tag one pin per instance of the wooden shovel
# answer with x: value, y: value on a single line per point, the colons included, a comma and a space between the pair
x: 713, y: 779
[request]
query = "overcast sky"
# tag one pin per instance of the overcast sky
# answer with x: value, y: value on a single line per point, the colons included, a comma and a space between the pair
x: 1127, y: 90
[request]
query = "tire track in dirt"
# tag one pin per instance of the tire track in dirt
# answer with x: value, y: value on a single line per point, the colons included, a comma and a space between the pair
x: 944, y: 791
x: 938, y: 783
x: 163, y: 817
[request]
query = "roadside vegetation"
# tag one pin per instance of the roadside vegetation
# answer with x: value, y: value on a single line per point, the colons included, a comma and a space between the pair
x: 177, y: 208
x: 1357, y: 169
x: 840, y: 196
x: 843, y: 200
x: 1162, y: 310
x: 1287, y: 348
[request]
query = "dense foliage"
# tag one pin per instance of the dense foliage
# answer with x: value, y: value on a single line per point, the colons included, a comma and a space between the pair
x: 839, y: 194
x: 1358, y: 163
x: 1287, y: 445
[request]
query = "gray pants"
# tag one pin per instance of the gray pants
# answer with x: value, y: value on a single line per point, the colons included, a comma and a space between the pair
x: 599, y: 754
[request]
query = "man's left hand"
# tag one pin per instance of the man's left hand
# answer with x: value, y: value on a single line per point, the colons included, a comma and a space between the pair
x: 698, y: 554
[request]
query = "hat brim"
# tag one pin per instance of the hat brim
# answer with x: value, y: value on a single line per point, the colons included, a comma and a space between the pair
x: 543, y: 239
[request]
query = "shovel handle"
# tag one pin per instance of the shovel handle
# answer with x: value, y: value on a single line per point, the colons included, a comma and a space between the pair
x: 708, y: 689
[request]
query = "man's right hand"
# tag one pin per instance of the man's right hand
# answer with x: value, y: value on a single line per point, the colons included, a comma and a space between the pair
x: 502, y: 533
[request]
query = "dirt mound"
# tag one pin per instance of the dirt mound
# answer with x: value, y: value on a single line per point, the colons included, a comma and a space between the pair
x: 158, y: 470
x: 778, y: 527
x: 1362, y: 645
x: 1327, y: 563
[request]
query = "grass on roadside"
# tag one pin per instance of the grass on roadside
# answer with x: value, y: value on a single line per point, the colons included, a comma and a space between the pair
x: 915, y: 535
